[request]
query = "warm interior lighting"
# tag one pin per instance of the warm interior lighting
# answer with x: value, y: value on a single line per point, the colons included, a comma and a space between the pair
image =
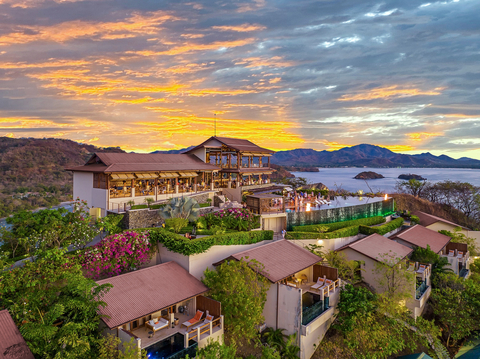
x: 320, y: 241
x: 308, y: 207
x: 386, y: 196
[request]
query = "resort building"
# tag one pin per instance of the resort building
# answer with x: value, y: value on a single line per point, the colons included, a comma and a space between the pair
x: 164, y: 310
x: 113, y: 181
x: 419, y: 236
x: 302, y: 296
x: 374, y: 252
x: 12, y: 344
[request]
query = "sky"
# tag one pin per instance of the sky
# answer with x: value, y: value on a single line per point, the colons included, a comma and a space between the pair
x: 152, y: 74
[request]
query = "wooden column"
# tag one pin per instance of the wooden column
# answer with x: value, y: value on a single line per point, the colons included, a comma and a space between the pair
x: 156, y: 189
x: 268, y: 162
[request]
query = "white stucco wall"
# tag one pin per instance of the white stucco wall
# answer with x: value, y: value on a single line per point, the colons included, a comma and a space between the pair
x: 83, y: 186
x: 328, y: 244
x: 368, y: 267
x: 99, y: 198
x: 270, y: 308
x: 289, y: 309
x: 200, y: 153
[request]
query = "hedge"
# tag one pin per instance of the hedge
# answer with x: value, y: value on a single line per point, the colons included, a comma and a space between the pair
x: 337, y: 225
x: 179, y: 244
x: 414, y: 219
x: 339, y: 233
x: 384, y: 229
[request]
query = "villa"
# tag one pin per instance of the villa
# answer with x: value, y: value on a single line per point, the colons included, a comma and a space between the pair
x: 302, y: 296
x: 374, y: 251
x: 164, y: 310
x: 110, y: 181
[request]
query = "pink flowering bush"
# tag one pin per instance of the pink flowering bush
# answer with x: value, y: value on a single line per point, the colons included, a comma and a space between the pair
x: 116, y: 254
x: 232, y: 218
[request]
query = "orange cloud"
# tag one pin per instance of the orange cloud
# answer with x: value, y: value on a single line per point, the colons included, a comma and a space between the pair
x: 390, y: 92
x: 275, y: 61
x: 240, y: 28
x: 420, y: 136
x: 136, y: 25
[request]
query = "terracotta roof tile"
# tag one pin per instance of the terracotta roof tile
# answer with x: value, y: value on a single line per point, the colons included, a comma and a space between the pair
x: 421, y: 237
x: 237, y: 144
x: 145, y: 291
x: 379, y: 248
x: 429, y: 219
x: 12, y: 344
x: 280, y: 258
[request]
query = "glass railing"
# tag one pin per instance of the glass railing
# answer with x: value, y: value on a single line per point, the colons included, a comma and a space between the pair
x: 420, y: 290
x: 190, y: 351
x: 463, y: 273
x: 312, y: 312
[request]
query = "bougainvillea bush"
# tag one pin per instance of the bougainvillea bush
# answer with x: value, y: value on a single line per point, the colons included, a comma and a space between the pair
x: 232, y: 218
x: 116, y: 254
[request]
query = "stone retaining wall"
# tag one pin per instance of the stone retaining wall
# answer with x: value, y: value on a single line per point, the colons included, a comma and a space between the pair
x: 142, y: 218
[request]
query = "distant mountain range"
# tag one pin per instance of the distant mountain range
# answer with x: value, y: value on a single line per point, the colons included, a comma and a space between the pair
x: 367, y: 156
x: 361, y: 156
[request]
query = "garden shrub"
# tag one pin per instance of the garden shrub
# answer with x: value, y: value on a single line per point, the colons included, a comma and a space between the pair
x: 339, y: 233
x: 179, y: 244
x: 338, y: 225
x: 139, y: 206
x: 383, y: 229
x: 116, y: 254
x: 414, y: 219
x: 232, y: 218
x: 176, y: 224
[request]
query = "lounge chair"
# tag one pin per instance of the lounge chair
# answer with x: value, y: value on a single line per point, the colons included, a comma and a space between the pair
x: 160, y: 324
x: 451, y: 253
x: 207, y: 320
x: 459, y: 254
x: 194, y: 320
x: 422, y: 268
x: 320, y: 283
x: 411, y: 266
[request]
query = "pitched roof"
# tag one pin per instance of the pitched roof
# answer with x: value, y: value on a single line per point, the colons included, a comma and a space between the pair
x: 143, y: 162
x: 146, y: 291
x: 235, y: 143
x: 379, y: 248
x: 281, y: 259
x: 421, y: 237
x: 12, y: 344
x: 427, y: 219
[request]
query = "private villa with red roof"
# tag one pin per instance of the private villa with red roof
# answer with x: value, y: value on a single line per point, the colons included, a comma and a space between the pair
x: 302, y: 296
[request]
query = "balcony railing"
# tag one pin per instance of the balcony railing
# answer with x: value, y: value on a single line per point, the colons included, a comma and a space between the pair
x: 464, y: 273
x: 190, y: 351
x: 420, y: 290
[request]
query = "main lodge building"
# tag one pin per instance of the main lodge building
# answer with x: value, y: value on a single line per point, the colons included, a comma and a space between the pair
x: 110, y: 181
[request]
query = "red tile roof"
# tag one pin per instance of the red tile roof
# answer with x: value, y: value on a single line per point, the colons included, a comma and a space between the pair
x: 144, y: 162
x: 379, y: 248
x: 429, y: 219
x: 146, y: 291
x: 12, y: 344
x: 237, y: 144
x: 280, y: 258
x: 421, y: 237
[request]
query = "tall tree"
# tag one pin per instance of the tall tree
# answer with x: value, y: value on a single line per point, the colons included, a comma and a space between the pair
x: 242, y: 292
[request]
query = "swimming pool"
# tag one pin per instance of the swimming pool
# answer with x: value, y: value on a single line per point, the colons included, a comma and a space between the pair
x: 338, y: 202
x: 171, y: 347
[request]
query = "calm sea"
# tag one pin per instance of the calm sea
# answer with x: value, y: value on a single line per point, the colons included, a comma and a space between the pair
x: 343, y: 177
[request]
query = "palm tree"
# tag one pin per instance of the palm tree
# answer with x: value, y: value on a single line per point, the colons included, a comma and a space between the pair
x: 275, y: 338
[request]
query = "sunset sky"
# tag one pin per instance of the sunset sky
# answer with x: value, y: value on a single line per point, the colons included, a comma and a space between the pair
x: 150, y: 74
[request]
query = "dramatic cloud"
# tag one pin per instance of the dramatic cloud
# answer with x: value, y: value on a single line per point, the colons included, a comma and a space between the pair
x: 324, y: 75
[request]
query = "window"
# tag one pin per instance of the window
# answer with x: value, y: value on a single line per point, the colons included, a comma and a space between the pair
x: 99, y: 181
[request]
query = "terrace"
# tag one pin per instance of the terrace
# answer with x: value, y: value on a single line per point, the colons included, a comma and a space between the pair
x: 422, y: 288
x: 458, y: 256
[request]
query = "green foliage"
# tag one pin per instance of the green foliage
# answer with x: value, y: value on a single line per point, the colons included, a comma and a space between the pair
x: 353, y: 302
x: 181, y: 207
x: 338, y: 225
x: 412, y: 186
x: 426, y: 255
x: 456, y: 303
x: 339, y: 233
x: 109, y: 349
x: 158, y: 206
x: 139, y: 206
x: 275, y: 338
x: 383, y: 229
x: 149, y: 201
x: 414, y: 219
x: 176, y: 224
x: 214, y: 350
x: 458, y: 237
x: 54, y: 306
x: 291, y: 349
x: 346, y: 269
x: 243, y: 294
x: 315, y: 249
x: 475, y: 266
x: 232, y: 218
x: 182, y: 245
x: 111, y: 223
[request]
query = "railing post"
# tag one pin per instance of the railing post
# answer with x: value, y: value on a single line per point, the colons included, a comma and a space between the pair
x: 210, y: 328
x: 186, y: 339
x: 198, y: 334
x: 221, y: 321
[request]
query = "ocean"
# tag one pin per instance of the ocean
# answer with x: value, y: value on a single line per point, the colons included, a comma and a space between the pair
x: 343, y: 177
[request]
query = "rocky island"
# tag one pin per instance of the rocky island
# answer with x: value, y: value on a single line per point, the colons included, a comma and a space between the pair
x: 410, y: 176
x: 368, y: 175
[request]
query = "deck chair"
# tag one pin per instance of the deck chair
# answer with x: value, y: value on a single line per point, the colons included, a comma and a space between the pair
x: 320, y: 283
x: 194, y: 320
x: 451, y: 253
x: 208, y: 319
x: 422, y: 268
x: 411, y: 266
x: 459, y: 254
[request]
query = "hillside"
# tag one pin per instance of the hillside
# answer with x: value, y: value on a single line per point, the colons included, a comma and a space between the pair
x: 368, y: 156
x: 33, y: 174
